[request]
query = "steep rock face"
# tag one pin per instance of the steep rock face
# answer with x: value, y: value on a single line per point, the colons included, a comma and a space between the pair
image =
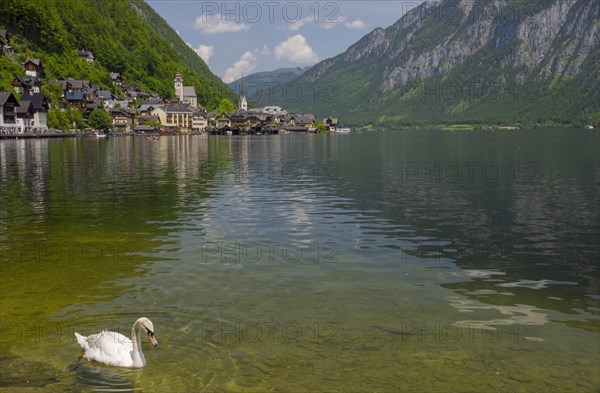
x: 563, y: 23
x: 510, y: 42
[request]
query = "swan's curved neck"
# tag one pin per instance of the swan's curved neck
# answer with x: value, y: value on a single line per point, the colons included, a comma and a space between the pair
x: 138, y: 355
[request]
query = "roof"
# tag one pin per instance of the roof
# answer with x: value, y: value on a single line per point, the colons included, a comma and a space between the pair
x: 38, y: 100
x: 85, y: 53
x: 36, y: 62
x: 74, y: 95
x: 189, y: 91
x: 152, y: 101
x: 27, y: 80
x: 147, y: 107
x: 301, y: 119
x: 3, y: 34
x: 148, y: 118
x: 114, y: 75
x: 144, y: 127
x: 24, y: 107
x: 178, y: 108
x: 123, y: 111
x: 104, y: 94
x: 6, y: 96
x: 77, y: 84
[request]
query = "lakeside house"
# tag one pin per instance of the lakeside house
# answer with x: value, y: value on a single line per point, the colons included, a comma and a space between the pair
x: 25, y: 113
x: 124, y: 119
x: 331, y: 124
x: 40, y: 105
x: 199, y: 122
x: 8, y: 112
x: 29, y: 113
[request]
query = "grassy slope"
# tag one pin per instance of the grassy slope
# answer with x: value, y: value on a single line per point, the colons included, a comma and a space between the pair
x: 125, y: 36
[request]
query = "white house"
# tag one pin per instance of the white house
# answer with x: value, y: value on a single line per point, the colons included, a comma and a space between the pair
x: 199, y: 122
x: 8, y: 113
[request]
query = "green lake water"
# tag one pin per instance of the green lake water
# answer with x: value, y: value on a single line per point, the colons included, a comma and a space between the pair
x: 398, y: 261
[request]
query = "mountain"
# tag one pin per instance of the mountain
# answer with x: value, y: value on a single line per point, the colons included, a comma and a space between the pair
x: 257, y: 85
x: 485, y: 61
x: 125, y: 36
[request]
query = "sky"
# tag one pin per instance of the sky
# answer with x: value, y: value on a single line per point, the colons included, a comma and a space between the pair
x: 243, y: 37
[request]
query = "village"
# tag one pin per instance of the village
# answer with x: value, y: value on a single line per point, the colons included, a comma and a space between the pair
x: 136, y: 112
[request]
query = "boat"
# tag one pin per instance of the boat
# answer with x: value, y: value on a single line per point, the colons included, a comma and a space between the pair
x: 152, y: 138
x: 99, y: 134
x: 343, y: 130
x: 589, y: 127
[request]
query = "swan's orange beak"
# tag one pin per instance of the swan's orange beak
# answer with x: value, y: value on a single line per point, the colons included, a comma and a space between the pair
x: 153, y: 340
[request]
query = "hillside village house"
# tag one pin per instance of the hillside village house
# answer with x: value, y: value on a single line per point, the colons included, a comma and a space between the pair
x: 116, y: 78
x: 27, y: 84
x: 86, y: 55
x: 34, y: 67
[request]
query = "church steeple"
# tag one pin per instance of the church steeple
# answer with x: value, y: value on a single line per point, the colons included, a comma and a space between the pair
x: 179, y: 86
x: 243, y: 105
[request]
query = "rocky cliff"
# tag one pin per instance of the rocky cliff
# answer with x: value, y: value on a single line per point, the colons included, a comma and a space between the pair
x: 469, y: 61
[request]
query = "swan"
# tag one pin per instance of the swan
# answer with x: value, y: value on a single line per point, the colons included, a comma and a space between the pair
x: 115, y: 349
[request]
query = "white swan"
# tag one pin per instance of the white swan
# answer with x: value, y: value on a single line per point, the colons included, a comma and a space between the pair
x: 115, y: 349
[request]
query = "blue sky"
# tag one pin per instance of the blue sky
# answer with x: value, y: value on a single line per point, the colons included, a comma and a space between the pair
x: 236, y: 37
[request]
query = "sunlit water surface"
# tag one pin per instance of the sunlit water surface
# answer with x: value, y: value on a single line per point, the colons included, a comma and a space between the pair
x: 386, y: 261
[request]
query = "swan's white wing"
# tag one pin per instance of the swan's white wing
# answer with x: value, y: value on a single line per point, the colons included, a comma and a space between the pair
x: 109, y: 348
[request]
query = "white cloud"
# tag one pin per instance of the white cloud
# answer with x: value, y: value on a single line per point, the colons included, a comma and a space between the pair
x: 357, y: 24
x: 215, y: 24
x: 297, y: 25
x: 334, y: 22
x: 265, y: 50
x: 296, y: 50
x: 245, y: 65
x: 205, y: 52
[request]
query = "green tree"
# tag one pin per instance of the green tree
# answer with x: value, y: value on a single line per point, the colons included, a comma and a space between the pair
x: 320, y: 127
x: 63, y: 118
x: 52, y: 119
x: 76, y: 118
x: 100, y: 120
x: 225, y: 106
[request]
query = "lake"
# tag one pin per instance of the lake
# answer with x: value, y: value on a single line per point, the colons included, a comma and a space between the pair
x: 389, y: 261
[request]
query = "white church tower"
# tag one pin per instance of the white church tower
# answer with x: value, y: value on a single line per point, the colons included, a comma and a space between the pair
x: 243, y: 105
x: 179, y: 86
